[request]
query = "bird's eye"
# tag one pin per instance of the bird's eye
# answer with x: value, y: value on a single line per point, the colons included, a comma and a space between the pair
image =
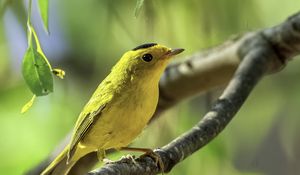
x: 147, y: 57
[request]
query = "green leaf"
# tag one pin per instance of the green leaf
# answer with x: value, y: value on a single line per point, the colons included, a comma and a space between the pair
x: 37, y: 72
x: 43, y: 6
x: 138, y: 6
x: 28, y: 105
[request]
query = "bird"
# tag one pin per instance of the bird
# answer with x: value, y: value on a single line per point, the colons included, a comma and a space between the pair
x: 120, y: 107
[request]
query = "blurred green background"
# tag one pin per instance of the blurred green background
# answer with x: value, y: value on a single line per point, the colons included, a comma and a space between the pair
x: 88, y: 37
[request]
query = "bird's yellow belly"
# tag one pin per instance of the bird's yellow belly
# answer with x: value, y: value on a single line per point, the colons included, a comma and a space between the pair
x: 122, y: 122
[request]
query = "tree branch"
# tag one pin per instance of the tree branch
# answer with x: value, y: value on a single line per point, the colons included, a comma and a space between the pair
x: 260, y: 52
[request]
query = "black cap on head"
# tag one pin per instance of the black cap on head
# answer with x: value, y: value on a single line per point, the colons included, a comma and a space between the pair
x: 144, y: 46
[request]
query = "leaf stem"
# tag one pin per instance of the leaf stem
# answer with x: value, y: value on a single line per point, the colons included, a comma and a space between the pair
x: 29, y: 12
x: 29, y: 31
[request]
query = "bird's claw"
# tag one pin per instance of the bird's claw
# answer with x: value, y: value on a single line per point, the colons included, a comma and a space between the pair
x: 128, y: 159
x: 157, y: 159
x: 107, y: 161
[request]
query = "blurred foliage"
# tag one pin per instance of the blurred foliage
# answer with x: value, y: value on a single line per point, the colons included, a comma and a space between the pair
x: 88, y: 37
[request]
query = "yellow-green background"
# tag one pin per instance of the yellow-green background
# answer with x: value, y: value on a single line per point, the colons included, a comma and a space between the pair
x: 87, y: 38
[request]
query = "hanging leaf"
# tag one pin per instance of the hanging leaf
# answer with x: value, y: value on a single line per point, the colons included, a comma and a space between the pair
x: 43, y: 6
x: 28, y: 105
x: 37, y: 72
x: 36, y: 68
x: 138, y: 6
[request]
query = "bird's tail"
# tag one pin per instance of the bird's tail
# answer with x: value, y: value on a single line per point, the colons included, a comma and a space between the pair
x: 59, y: 165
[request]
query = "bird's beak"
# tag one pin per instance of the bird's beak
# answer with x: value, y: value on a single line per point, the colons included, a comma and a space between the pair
x: 173, y: 52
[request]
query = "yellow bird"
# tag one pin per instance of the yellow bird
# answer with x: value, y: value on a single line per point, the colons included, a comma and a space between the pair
x: 119, y: 109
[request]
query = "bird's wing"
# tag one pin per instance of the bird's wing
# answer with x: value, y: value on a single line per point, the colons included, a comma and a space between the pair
x: 82, y: 129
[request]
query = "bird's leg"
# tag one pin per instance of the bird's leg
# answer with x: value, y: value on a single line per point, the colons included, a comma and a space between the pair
x: 147, y: 152
x: 101, y: 154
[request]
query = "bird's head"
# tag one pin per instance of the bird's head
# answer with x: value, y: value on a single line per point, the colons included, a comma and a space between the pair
x: 147, y: 60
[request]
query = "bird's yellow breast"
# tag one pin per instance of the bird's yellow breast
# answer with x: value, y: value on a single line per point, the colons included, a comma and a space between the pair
x: 124, y: 118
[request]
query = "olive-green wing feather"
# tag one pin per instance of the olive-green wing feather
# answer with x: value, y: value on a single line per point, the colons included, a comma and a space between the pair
x: 82, y: 129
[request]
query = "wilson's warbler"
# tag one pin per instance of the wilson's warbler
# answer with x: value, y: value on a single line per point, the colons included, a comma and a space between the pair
x: 120, y: 107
